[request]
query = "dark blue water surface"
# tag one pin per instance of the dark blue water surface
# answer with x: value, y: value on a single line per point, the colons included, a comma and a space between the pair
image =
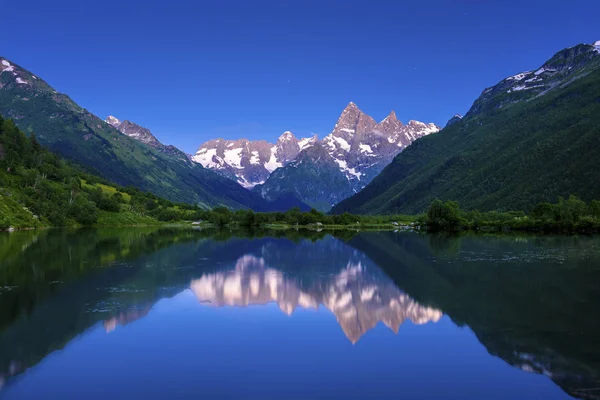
x: 157, y: 313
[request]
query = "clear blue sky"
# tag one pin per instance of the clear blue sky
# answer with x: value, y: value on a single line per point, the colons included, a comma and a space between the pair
x: 195, y: 70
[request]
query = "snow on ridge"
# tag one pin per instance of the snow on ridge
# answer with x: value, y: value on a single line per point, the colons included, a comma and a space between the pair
x: 233, y: 157
x: 287, y: 135
x: 8, y: 67
x: 597, y: 46
x: 347, y: 130
x: 22, y: 82
x: 519, y: 76
x: 205, y: 158
x: 273, y: 164
x: 112, y: 120
x: 306, y: 142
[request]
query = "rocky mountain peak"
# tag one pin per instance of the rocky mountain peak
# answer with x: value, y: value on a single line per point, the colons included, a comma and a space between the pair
x: 564, y: 68
x: 390, y: 124
x: 390, y: 118
x: 286, y: 136
x: 144, y: 135
x: 454, y: 119
x: 352, y: 106
x: 134, y: 131
x: 353, y: 153
x: 250, y: 162
x: 112, y: 121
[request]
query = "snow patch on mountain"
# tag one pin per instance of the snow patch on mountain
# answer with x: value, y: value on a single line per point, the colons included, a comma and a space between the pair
x: 343, y: 144
x: 306, y: 142
x: 518, y: 77
x: 360, y: 146
x: 7, y: 66
x: 112, y: 120
x: 205, y: 158
x: 273, y: 164
x: 233, y: 157
x: 365, y: 148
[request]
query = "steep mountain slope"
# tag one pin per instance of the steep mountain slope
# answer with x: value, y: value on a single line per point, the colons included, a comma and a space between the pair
x: 358, y: 148
x: 68, y: 129
x: 313, y: 177
x: 250, y: 162
x: 532, y: 137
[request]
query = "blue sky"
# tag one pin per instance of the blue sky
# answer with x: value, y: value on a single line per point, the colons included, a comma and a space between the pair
x: 195, y: 70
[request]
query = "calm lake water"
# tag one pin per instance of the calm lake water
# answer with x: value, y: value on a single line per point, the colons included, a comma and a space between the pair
x: 159, y: 313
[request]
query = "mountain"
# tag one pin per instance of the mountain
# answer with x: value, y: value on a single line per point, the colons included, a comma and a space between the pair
x: 250, y: 162
x: 359, y: 298
x: 456, y: 118
x: 356, y: 150
x: 312, y: 176
x: 75, y: 133
x: 144, y: 135
x: 530, y: 138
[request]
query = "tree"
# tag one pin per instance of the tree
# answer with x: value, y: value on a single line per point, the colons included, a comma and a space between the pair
x: 444, y: 215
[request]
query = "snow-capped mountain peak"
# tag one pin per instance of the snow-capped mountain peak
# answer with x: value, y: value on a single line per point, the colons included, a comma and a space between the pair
x: 286, y: 136
x: 250, y: 162
x: 357, y: 143
x: 112, y: 121
x: 358, y: 147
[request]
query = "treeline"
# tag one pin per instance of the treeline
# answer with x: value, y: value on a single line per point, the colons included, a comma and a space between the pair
x: 567, y: 215
x: 38, y: 188
x: 222, y: 216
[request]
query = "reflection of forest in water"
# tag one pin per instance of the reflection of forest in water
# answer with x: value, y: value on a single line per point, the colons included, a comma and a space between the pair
x: 529, y: 300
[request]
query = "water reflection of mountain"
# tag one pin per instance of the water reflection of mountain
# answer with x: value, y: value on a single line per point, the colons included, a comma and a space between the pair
x: 114, y: 277
x: 357, y: 295
x: 531, y: 301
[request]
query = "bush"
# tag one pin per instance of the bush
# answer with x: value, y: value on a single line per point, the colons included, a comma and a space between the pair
x: 4, y: 223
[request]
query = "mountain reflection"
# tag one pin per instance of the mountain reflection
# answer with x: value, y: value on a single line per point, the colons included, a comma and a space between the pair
x: 357, y: 297
x: 530, y: 301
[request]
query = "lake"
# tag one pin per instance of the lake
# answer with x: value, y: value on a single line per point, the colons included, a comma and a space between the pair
x: 183, y: 313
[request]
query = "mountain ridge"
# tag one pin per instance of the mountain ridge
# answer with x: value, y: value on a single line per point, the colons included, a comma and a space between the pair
x: 521, y: 143
x: 70, y: 130
x: 252, y: 162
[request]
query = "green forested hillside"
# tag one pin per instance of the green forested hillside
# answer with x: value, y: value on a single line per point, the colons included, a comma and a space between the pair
x: 75, y: 133
x: 514, y: 149
x: 38, y: 188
